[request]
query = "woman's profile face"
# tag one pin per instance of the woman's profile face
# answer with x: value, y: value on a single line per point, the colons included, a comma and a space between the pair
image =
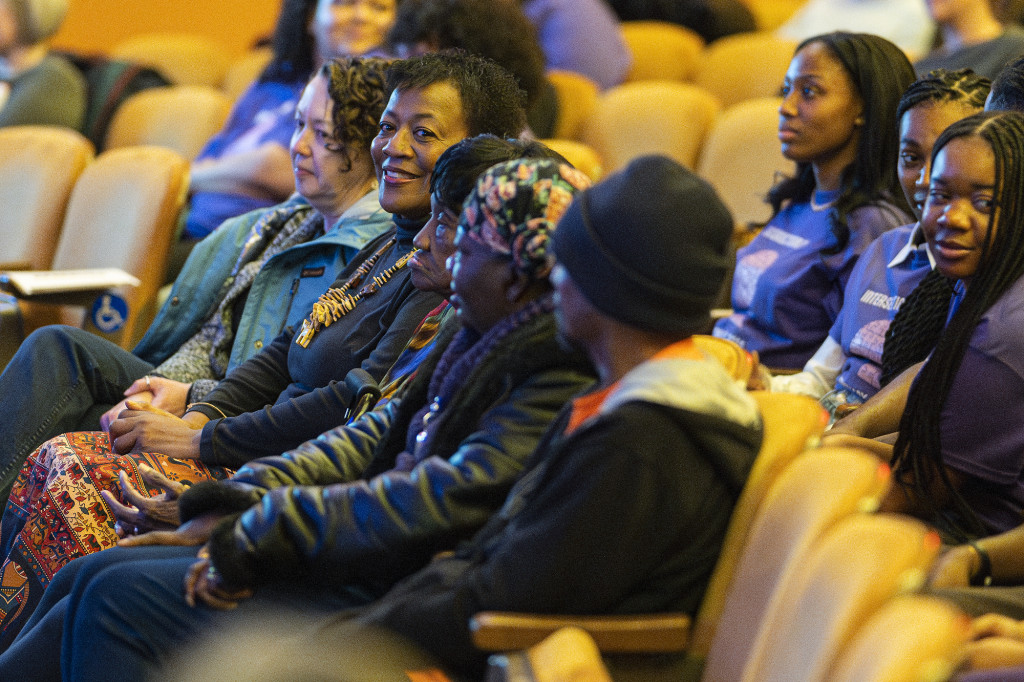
x: 351, y: 27
x: 960, y: 206
x: 821, y: 112
x: 319, y: 162
x: 919, y: 128
x: 480, y: 281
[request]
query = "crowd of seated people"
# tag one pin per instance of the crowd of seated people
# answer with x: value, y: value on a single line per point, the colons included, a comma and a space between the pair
x: 548, y: 436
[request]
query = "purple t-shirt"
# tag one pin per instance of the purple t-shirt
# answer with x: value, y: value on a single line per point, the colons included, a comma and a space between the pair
x: 786, y: 295
x: 981, y: 420
x: 264, y: 113
x: 887, y: 271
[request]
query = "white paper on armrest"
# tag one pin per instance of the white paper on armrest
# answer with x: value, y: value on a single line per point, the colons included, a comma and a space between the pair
x: 30, y: 282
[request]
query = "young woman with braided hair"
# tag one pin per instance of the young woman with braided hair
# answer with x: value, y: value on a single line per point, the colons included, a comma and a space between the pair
x: 957, y: 459
x: 847, y: 366
x: 837, y: 122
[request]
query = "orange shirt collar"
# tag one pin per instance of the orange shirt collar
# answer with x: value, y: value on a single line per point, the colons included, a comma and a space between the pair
x: 587, y: 406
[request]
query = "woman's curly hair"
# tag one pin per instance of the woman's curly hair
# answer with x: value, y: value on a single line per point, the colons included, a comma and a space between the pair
x: 356, y: 86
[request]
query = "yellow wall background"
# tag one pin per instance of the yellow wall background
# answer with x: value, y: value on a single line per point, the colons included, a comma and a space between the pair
x: 95, y: 25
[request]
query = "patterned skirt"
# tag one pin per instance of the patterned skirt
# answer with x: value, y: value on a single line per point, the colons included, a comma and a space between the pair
x: 55, y: 513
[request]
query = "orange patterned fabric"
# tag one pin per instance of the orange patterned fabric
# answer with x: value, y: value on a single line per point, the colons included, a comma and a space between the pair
x: 55, y: 513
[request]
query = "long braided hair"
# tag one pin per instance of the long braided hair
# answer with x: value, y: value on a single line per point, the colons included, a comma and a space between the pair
x: 917, y: 457
x: 920, y: 320
x: 880, y: 72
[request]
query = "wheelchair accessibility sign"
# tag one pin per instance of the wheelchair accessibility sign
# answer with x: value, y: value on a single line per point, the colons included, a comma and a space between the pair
x: 109, y: 313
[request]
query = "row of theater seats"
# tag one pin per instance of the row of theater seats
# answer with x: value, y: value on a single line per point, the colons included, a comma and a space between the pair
x: 660, y: 51
x: 64, y: 208
x: 811, y: 585
x: 711, y: 107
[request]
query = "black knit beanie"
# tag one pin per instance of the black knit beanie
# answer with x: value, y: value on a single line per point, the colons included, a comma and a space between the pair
x: 648, y: 246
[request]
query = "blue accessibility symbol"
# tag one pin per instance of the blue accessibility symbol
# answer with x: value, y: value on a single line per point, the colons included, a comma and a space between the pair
x: 109, y: 313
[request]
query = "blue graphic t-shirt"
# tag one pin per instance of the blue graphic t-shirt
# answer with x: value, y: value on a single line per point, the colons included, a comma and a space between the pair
x: 887, y: 271
x: 786, y: 294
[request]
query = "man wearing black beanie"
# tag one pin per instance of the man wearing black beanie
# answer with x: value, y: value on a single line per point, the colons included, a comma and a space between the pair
x: 624, y: 504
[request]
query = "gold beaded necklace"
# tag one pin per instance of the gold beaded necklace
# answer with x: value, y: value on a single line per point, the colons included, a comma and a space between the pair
x: 337, y: 302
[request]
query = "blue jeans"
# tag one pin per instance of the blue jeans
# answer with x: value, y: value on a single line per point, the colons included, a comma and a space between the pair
x: 61, y: 379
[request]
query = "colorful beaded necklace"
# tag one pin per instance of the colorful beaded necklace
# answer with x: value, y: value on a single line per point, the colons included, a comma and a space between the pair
x: 336, y: 302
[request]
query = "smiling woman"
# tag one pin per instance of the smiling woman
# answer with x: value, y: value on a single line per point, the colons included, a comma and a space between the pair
x: 417, y: 126
x: 957, y: 461
x: 352, y: 27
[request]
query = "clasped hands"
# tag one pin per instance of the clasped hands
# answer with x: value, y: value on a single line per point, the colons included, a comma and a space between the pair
x: 167, y: 394
x: 154, y: 521
x: 143, y: 427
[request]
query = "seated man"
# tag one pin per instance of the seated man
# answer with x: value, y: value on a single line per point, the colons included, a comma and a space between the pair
x: 622, y: 508
x: 37, y: 87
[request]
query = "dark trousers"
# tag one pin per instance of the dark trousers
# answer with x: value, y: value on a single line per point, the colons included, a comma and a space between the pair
x: 120, y: 614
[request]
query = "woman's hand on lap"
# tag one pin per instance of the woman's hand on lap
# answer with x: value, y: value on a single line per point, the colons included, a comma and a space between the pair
x: 141, y: 427
x: 142, y: 513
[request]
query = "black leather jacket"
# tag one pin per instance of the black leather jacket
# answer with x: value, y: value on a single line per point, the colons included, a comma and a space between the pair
x: 319, y: 515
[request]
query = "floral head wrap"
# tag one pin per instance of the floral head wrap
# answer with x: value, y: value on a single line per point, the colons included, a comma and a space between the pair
x: 516, y: 205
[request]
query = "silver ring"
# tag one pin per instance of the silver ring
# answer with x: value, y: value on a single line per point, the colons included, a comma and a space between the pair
x: 148, y: 387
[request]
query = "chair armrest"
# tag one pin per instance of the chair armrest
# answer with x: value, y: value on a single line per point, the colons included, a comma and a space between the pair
x: 644, y: 633
x: 15, y: 265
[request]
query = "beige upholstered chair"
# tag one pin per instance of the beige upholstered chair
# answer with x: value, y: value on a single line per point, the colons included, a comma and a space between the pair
x: 244, y: 70
x: 855, y: 568
x: 910, y: 639
x: 580, y: 155
x: 742, y: 158
x: 650, y: 117
x: 661, y: 51
x: 744, y: 66
x: 180, y: 117
x: 123, y: 214
x: 770, y: 14
x: 791, y: 424
x: 734, y: 358
x: 183, y: 58
x: 577, y: 97
x: 38, y: 168
x: 567, y: 655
